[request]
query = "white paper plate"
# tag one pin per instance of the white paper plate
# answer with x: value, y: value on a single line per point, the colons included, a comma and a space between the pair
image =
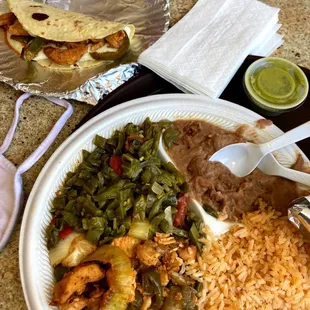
x: 36, y: 271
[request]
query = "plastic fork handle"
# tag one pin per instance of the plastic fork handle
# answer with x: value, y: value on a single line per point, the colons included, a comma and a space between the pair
x: 294, y: 175
x: 297, y: 134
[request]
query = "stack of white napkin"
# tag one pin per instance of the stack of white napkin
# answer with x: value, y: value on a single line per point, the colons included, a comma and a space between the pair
x: 203, y: 51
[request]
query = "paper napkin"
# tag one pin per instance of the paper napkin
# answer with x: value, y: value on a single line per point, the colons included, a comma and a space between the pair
x: 203, y: 51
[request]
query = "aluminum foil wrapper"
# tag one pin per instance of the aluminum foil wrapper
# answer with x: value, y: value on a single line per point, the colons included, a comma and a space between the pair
x: 299, y: 215
x: 151, y: 19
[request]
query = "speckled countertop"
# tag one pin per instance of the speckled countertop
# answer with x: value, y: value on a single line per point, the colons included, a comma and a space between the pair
x: 38, y: 116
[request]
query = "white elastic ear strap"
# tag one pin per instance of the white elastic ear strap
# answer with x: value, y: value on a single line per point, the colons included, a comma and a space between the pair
x: 9, y: 137
x: 32, y: 159
x: 44, y: 146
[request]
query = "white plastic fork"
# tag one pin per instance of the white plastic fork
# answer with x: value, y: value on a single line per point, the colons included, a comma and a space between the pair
x: 269, y: 165
x: 242, y: 158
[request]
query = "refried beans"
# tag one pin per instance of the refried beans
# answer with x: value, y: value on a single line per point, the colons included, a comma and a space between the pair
x: 219, y: 191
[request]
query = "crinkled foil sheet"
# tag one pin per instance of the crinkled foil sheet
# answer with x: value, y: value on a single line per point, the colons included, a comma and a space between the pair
x: 299, y: 215
x: 151, y: 19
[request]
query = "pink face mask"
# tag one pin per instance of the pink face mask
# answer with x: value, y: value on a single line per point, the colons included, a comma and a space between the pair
x: 11, y: 186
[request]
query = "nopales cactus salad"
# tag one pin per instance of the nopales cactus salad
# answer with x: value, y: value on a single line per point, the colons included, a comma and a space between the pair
x: 121, y: 233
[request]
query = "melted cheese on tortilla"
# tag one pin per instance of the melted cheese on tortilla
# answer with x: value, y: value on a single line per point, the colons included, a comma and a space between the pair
x: 103, y: 49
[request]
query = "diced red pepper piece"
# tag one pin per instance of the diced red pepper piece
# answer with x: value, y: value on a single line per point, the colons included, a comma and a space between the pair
x: 182, y: 207
x: 65, y: 232
x: 116, y: 164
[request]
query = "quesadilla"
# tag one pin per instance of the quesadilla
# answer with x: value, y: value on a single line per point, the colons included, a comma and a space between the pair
x: 62, y: 39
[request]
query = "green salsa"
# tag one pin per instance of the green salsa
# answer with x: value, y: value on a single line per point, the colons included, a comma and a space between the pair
x: 278, y: 83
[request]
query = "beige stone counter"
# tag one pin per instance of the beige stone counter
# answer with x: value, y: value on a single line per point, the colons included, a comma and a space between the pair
x: 38, y: 116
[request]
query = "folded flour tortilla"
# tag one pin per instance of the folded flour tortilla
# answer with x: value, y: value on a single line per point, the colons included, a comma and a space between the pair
x: 66, y: 34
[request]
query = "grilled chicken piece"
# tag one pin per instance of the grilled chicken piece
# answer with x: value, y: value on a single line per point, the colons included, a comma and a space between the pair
x: 75, y: 282
x: 115, y: 39
x: 95, y: 299
x: 189, y: 253
x: 17, y: 29
x: 77, y: 303
x: 148, y: 254
x: 66, y: 56
x: 127, y: 244
x: 94, y: 303
x: 7, y: 19
x: 96, y: 46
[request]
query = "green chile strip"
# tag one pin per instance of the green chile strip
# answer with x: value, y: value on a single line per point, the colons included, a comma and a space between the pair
x: 113, y: 55
x: 31, y: 50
